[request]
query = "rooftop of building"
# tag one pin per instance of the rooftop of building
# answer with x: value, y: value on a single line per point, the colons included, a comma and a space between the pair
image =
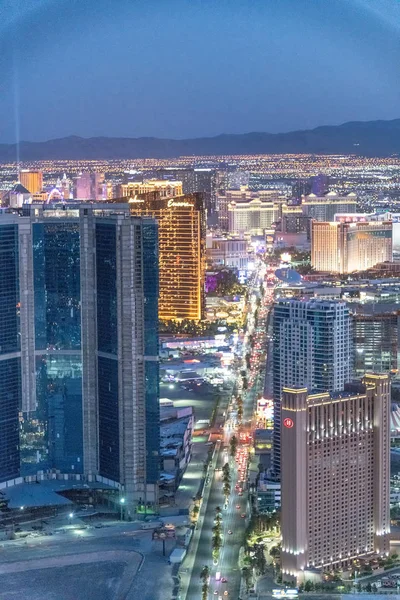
x: 173, y: 431
x: 312, y: 302
x: 18, y: 188
x: 172, y: 413
x: 352, y: 389
x: 262, y: 434
x: 69, y: 211
x: 45, y: 493
x: 167, y: 477
x: 331, y: 196
x: 374, y: 309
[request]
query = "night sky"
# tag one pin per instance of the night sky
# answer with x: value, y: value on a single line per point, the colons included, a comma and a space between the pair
x: 190, y: 68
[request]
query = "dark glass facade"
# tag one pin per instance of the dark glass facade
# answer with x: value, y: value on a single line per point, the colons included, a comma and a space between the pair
x: 48, y: 429
x: 10, y: 376
x: 56, y: 258
x: 10, y: 398
x: 52, y: 437
x: 108, y: 418
x: 9, y: 290
x: 59, y: 399
x: 150, y: 289
x: 106, y: 267
x: 107, y: 342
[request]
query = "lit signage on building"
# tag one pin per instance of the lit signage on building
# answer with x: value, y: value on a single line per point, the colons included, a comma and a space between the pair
x: 265, y: 408
x: 288, y: 423
x: 179, y: 203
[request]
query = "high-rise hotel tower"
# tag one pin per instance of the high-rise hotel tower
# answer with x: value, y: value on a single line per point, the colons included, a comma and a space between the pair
x: 335, y: 476
x: 347, y: 247
x: 182, y: 254
x: 31, y: 180
x: 312, y: 349
x: 79, y: 346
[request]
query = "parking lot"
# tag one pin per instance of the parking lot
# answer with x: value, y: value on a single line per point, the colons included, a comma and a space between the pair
x: 114, y: 562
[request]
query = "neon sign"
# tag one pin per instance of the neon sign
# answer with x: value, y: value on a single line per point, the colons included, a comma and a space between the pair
x: 178, y: 203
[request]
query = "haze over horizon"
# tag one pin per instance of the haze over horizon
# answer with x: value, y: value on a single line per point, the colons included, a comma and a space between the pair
x: 185, y: 70
x: 216, y: 135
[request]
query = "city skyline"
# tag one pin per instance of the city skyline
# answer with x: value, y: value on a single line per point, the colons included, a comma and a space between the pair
x: 199, y: 299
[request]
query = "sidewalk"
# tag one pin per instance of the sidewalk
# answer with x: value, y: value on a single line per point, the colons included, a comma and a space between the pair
x: 185, y: 570
x: 190, y: 483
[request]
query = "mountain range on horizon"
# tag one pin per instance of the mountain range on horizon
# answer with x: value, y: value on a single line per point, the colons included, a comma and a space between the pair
x: 364, y: 138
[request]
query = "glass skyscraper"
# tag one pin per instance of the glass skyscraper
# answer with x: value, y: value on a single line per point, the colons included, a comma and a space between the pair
x: 312, y: 349
x: 58, y: 358
x: 10, y: 360
x: 79, y: 346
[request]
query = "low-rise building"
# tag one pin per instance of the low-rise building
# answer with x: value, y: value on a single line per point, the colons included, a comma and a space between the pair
x: 268, y: 494
x: 176, y: 436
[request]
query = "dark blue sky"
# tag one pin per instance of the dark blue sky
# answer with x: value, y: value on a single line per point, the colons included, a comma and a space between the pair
x: 188, y: 68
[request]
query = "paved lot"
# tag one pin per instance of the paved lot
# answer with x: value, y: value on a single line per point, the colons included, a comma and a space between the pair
x: 114, y: 563
x: 202, y: 399
x: 96, y: 581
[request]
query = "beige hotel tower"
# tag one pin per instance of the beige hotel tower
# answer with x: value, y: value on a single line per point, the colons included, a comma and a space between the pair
x: 335, y: 476
x: 347, y: 247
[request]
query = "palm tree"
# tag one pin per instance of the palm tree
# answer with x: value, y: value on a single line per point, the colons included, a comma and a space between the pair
x: 204, y: 591
x: 246, y: 572
x: 216, y: 542
x: 227, y: 490
x: 205, y: 574
x: 233, y: 445
x: 216, y: 529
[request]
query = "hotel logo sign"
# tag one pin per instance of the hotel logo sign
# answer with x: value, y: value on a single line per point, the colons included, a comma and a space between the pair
x: 178, y: 203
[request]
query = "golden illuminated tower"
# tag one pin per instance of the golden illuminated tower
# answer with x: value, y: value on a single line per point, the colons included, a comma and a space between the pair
x: 31, y: 180
x: 181, y: 221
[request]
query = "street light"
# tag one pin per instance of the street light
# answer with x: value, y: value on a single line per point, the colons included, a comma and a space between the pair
x: 121, y: 504
x: 71, y: 516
